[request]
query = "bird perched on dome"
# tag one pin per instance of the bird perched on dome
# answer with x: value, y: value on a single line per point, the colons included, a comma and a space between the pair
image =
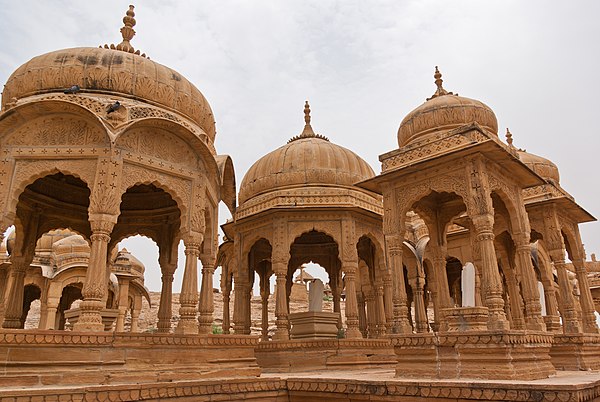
x: 73, y: 90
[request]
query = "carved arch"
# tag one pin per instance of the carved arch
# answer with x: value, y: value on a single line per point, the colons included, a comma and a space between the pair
x: 27, y: 172
x: 26, y: 113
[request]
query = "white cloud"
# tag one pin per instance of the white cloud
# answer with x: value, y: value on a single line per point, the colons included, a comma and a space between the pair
x: 363, y: 66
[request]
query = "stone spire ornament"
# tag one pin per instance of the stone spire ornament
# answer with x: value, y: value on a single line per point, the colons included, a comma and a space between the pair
x: 440, y: 91
x: 308, y: 130
x: 128, y: 33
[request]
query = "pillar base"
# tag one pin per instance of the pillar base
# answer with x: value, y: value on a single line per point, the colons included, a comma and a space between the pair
x: 187, y: 327
x: 11, y: 323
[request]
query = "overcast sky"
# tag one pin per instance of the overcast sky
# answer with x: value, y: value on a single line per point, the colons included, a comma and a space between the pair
x: 363, y: 65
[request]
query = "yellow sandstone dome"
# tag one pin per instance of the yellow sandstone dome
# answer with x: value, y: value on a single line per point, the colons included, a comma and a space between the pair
x: 117, y: 70
x: 542, y: 166
x: 306, y: 160
x: 442, y: 112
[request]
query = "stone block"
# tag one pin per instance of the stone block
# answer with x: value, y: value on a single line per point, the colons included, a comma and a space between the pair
x: 314, y: 325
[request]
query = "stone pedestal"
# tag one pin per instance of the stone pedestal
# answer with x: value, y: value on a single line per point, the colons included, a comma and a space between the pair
x: 461, y: 319
x: 468, y: 350
x: 490, y: 355
x: 108, y: 317
x: 314, y: 325
x: 576, y: 352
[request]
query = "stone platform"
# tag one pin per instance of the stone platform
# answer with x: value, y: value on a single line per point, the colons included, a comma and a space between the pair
x: 324, y: 354
x: 31, y: 358
x: 332, y: 385
x: 497, y: 355
x: 576, y: 351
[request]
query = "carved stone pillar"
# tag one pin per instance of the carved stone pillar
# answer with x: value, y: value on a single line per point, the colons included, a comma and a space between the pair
x: 13, y: 308
x: 336, y: 290
x: 95, y: 287
x: 388, y: 302
x: 123, y: 299
x: 135, y: 318
x: 240, y: 293
x: 281, y: 308
x: 417, y: 284
x: 585, y: 298
x: 516, y: 301
x: 441, y: 288
x: 381, y: 322
x: 352, y: 331
x: 400, y: 309
x: 51, y: 310
x: 264, y: 298
x: 552, y: 318
x: 371, y: 316
x: 188, y: 299
x: 483, y: 225
x: 571, y: 323
x: 531, y: 295
x: 206, y: 307
x: 165, y: 308
x: 226, y: 314
x: 362, y: 315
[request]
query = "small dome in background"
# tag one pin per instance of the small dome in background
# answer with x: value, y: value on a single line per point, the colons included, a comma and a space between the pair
x: 444, y: 111
x: 306, y: 160
x: 542, y: 166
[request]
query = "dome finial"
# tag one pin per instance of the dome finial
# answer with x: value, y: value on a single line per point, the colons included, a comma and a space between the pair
x: 308, y: 131
x: 128, y: 33
x: 306, y: 113
x: 509, y: 139
x: 440, y: 91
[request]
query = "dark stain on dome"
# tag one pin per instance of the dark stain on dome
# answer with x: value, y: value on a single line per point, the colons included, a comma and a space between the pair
x: 176, y: 77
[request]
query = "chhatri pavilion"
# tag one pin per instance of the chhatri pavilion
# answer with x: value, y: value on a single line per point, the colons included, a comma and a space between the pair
x: 456, y: 273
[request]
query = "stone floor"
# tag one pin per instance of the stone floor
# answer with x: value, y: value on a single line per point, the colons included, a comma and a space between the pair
x: 364, y: 385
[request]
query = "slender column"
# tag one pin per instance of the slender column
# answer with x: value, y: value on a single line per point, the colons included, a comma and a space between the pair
x: 51, y: 309
x: 381, y: 322
x: 135, y: 318
x: 16, y: 289
x: 552, y: 318
x: 371, y: 314
x: 207, y: 306
x: 240, y: 293
x: 585, y: 298
x: 226, y: 314
x: 165, y: 309
x: 95, y: 287
x: 248, y: 308
x: 489, y: 271
x: 336, y: 290
x: 264, y: 297
x: 440, y: 280
x: 531, y: 295
x: 400, y: 309
x: 188, y: 299
x: 352, y: 331
x: 123, y: 299
x: 570, y: 322
x: 516, y: 301
x: 3, y: 287
x: 388, y: 302
x: 362, y: 315
x: 420, y: 313
x: 281, y: 308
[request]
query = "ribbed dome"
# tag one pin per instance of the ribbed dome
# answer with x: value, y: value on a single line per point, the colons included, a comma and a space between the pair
x: 117, y: 71
x: 307, y: 160
x: 442, y: 112
x: 542, y: 166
